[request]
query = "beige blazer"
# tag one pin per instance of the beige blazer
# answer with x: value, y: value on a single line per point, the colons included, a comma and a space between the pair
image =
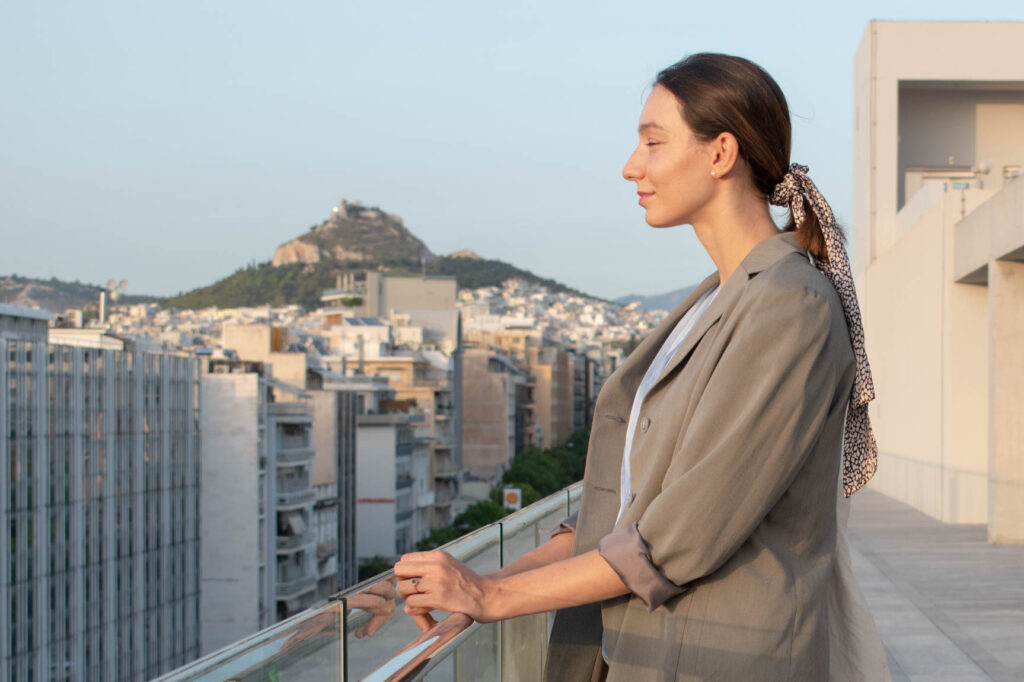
x: 728, y: 539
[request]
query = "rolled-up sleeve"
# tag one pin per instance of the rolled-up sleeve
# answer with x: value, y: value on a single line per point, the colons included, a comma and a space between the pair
x: 760, y: 415
x: 628, y: 555
x: 567, y: 525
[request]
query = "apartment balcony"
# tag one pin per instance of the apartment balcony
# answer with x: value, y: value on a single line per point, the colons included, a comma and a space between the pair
x: 291, y: 413
x: 296, y: 587
x: 294, y: 455
x: 295, y: 500
x: 287, y: 544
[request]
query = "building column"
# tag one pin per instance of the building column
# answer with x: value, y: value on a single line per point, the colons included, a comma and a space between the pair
x: 1006, y: 386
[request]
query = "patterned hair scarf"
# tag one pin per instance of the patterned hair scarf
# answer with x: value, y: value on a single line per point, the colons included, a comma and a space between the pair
x: 860, y: 452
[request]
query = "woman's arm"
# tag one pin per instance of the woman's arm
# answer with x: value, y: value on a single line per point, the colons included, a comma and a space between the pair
x: 446, y: 584
x: 558, y: 548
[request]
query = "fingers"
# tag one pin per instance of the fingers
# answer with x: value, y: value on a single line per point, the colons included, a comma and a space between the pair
x: 424, y: 622
x: 421, y: 563
x: 406, y: 588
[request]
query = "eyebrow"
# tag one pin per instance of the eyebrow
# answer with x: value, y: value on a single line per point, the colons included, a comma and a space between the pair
x: 649, y: 125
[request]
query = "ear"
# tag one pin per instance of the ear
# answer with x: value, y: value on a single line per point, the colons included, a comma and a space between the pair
x: 724, y: 152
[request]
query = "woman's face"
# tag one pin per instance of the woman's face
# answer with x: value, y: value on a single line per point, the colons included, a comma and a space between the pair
x: 671, y: 167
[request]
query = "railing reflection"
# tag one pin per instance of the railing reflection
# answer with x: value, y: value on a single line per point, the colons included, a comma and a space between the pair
x: 362, y: 633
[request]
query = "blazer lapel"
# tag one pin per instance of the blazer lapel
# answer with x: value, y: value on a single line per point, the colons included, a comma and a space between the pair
x: 764, y: 254
x: 633, y: 369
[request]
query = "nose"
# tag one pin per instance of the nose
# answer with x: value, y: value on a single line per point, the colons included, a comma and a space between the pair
x: 633, y: 170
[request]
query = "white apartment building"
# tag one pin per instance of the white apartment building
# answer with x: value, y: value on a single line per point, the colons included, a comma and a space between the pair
x: 100, y: 574
x: 387, y: 495
x: 938, y: 252
x: 265, y: 551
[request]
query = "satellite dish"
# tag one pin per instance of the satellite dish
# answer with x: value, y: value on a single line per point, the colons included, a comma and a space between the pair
x: 116, y: 288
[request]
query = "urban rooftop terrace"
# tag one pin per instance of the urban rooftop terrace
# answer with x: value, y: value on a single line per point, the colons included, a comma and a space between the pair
x: 948, y: 605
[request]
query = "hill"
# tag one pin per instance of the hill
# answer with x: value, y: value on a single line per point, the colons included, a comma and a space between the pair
x: 303, y: 283
x: 354, y: 238
x: 666, y: 301
x: 355, y: 233
x: 56, y: 295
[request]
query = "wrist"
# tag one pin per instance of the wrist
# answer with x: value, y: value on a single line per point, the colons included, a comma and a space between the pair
x: 494, y: 598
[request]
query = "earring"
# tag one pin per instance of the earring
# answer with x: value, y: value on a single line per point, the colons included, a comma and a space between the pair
x: 714, y: 174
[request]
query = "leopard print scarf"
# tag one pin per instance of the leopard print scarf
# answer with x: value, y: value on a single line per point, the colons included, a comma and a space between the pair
x: 860, y: 452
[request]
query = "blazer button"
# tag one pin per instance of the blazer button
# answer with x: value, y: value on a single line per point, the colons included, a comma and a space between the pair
x: 645, y: 424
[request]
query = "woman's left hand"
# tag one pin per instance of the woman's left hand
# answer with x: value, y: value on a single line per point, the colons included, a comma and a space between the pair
x: 435, y: 580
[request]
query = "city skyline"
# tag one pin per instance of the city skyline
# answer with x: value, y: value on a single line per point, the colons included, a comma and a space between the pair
x: 170, y: 149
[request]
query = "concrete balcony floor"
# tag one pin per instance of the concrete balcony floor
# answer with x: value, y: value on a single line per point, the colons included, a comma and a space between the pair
x: 948, y: 605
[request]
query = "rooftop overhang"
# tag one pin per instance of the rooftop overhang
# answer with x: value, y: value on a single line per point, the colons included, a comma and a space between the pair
x: 993, y: 231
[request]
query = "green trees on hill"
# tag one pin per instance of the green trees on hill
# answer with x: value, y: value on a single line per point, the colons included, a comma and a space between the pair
x: 303, y: 283
x: 264, y: 284
x: 538, y: 473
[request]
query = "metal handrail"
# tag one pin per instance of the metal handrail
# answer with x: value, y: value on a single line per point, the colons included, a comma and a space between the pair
x: 427, y: 650
x: 435, y: 644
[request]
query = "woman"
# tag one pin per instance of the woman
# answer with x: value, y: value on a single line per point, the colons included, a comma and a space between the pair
x: 706, y: 537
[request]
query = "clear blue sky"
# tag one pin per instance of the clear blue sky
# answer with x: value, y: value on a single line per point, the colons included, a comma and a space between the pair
x: 170, y: 143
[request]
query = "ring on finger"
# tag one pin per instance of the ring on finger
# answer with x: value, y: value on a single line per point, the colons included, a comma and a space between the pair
x: 415, y: 583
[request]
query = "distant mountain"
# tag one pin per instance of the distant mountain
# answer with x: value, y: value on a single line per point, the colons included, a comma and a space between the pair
x: 303, y: 283
x: 353, y: 239
x: 355, y: 233
x: 55, y: 295
x: 659, y: 301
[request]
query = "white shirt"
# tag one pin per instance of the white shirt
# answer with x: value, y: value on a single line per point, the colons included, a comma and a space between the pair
x: 661, y: 360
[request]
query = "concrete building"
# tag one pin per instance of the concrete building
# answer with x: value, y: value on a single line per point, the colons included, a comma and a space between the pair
x: 335, y: 403
x: 100, y: 574
x: 334, y: 480
x: 18, y: 323
x: 391, y: 290
x: 425, y: 381
x: 290, y: 456
x: 551, y: 369
x: 260, y: 555
x: 938, y: 252
x: 584, y: 391
x: 386, y: 499
x: 238, y: 592
x: 497, y: 413
x: 267, y: 344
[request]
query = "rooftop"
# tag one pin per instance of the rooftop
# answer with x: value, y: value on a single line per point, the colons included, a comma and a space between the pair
x: 947, y: 604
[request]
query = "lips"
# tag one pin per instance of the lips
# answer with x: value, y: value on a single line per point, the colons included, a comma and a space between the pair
x: 644, y: 196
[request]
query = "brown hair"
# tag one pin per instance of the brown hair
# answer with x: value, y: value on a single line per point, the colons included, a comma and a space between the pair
x: 720, y: 93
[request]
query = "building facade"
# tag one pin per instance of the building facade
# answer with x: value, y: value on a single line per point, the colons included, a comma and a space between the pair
x: 101, y: 508
x: 938, y: 252
x: 497, y: 411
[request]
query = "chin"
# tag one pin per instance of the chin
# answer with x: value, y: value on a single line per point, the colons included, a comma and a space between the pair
x: 660, y: 221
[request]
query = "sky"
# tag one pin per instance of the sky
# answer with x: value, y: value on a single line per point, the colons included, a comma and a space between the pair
x: 169, y: 144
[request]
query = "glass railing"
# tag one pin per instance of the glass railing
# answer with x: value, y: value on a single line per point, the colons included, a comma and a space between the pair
x: 362, y: 633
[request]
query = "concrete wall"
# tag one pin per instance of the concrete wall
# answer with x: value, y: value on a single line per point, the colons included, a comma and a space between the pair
x: 943, y: 347
x: 228, y: 507
x: 325, y: 437
x: 926, y: 339
x: 375, y: 490
x: 890, y: 52
x: 386, y: 292
x: 1006, y: 456
x: 485, y: 417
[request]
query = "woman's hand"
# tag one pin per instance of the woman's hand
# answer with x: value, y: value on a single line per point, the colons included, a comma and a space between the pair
x: 435, y: 580
x: 379, y: 601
